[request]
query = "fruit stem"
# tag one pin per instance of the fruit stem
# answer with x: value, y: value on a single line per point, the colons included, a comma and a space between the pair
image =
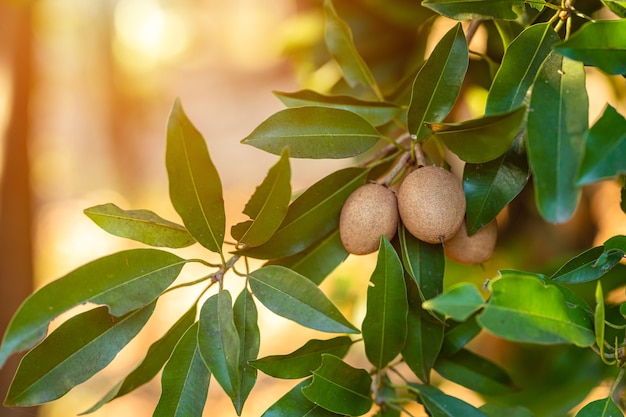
x: 386, y: 150
x: 396, y: 169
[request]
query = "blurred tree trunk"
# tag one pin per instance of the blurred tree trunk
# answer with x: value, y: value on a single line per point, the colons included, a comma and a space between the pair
x: 16, y: 269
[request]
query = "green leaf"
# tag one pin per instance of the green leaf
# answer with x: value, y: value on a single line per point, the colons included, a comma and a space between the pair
x: 458, y: 302
x: 317, y: 261
x: 438, y: 82
x: 63, y: 360
x: 528, y: 308
x: 475, y: 372
x: 440, y: 404
x: 123, y: 281
x: 340, y: 44
x: 195, y: 185
x: 294, y: 297
x: 600, y: 408
x: 340, y: 388
x: 423, y: 343
x: 267, y: 206
x: 185, y: 380
x: 623, y: 194
x: 314, y: 132
x: 601, y: 44
x: 313, y: 215
x: 598, y: 321
x: 520, y: 64
x: 493, y: 410
x: 477, y: 9
x: 616, y: 6
x: 385, y: 323
x: 301, y: 362
x: 141, y: 225
x: 245, y: 317
x: 557, y: 122
x: 605, y: 148
x: 295, y: 404
x: 218, y: 342
x: 588, y: 266
x: 158, y: 354
x: 377, y: 113
x: 424, y: 262
x: 483, y: 139
x: 460, y: 335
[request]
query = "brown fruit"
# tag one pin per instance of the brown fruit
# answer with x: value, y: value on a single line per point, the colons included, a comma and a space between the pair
x: 431, y: 202
x: 369, y: 212
x: 474, y: 249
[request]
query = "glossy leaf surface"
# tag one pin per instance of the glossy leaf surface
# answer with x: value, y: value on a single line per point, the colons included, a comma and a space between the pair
x: 314, y: 132
x: 483, y: 139
x: 194, y: 183
x: 123, y: 281
x: 605, y: 148
x: 218, y: 342
x: 424, y: 262
x: 340, y: 388
x: 385, y: 323
x: 588, y: 266
x: 460, y: 335
x: 340, y: 44
x: 141, y: 225
x: 527, y: 308
x: 479, y: 9
x: 62, y: 360
x: 313, y: 215
x: 557, y: 122
x: 245, y: 316
x: 423, y: 343
x: 376, y: 112
x: 300, y: 363
x: 294, y: 297
x: 601, y: 44
x: 600, y: 408
x: 438, y: 82
x: 458, y: 302
x: 268, y: 205
x: 440, y: 404
x: 295, y: 404
x: 185, y: 380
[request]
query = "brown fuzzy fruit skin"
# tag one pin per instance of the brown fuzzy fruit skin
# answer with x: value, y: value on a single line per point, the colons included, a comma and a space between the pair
x: 474, y: 249
x: 431, y: 203
x: 369, y: 212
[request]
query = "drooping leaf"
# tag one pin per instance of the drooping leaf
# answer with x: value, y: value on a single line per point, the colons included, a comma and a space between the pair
x: 424, y: 262
x: 385, y: 323
x: 440, y: 404
x: 317, y: 261
x: 598, y: 321
x: 157, y: 355
x: 313, y: 215
x: 605, y: 148
x: 141, y: 225
x: 458, y: 302
x: 268, y: 205
x: 616, y: 6
x: 64, y: 360
x: 245, y: 316
x: 438, y: 82
x: 294, y: 297
x: 301, y: 362
x: 483, y: 139
x: 478, y: 9
x: 185, y: 380
x: 218, y: 342
x: 528, y: 308
x: 601, y: 44
x: 475, y: 372
x: 600, y: 408
x: 557, y: 122
x: 376, y: 112
x: 123, y: 281
x: 314, y: 132
x: 295, y: 404
x: 492, y: 410
x: 588, y: 266
x: 340, y: 44
x: 194, y: 183
x: 423, y: 343
x: 340, y: 388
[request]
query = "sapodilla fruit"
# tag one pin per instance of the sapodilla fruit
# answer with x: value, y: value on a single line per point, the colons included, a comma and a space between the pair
x: 431, y: 203
x: 369, y: 212
x: 474, y: 249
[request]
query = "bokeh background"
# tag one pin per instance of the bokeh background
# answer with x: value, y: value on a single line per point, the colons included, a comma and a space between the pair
x: 85, y: 92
